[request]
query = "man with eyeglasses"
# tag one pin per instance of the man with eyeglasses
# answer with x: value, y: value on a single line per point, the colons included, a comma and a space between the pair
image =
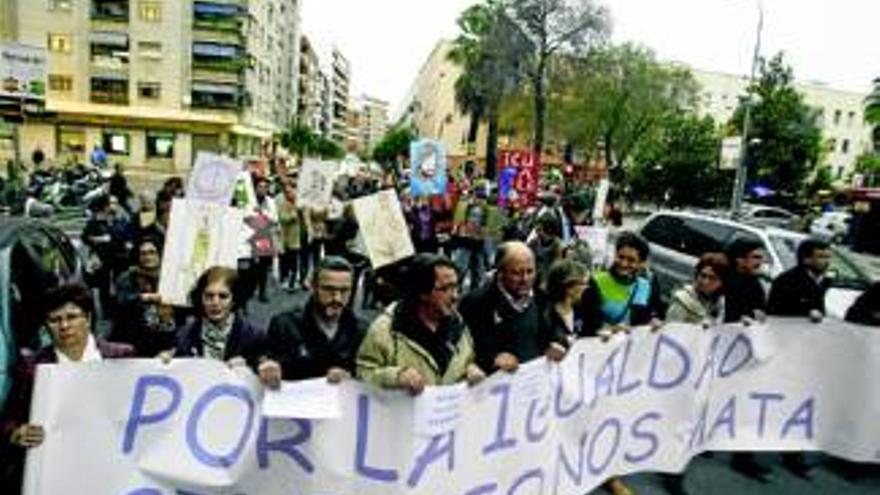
x: 421, y: 340
x: 322, y: 338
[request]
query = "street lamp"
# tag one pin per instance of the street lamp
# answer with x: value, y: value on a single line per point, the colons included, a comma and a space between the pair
x: 741, y: 172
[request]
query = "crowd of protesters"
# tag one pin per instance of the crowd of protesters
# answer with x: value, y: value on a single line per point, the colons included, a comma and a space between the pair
x: 532, y: 287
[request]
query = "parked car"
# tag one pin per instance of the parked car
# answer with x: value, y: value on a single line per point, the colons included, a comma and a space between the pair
x: 34, y: 256
x: 677, y: 240
x: 832, y: 225
x: 769, y: 216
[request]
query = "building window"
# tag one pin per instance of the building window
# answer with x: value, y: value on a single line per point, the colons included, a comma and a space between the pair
x: 150, y: 11
x: 844, y: 146
x: 60, y: 4
x: 160, y: 145
x: 60, y: 43
x: 71, y: 140
x: 832, y: 145
x: 60, y: 83
x: 150, y: 90
x: 116, y: 143
x: 850, y: 118
x: 837, y: 115
x: 109, y: 90
x: 150, y: 49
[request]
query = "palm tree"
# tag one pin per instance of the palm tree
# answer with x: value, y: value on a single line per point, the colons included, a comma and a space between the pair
x: 489, y: 53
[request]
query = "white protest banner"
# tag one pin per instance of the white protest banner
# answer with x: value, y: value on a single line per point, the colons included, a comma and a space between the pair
x: 645, y: 402
x: 383, y: 228
x: 313, y: 399
x: 315, y: 185
x: 200, y: 235
x: 213, y: 178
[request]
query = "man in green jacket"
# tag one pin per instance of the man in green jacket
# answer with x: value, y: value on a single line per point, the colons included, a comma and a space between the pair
x: 420, y: 340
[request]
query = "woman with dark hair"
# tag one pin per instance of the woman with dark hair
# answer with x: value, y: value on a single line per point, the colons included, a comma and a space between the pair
x: 566, y: 281
x: 703, y: 300
x: 218, y: 330
x: 68, y: 314
x: 142, y: 320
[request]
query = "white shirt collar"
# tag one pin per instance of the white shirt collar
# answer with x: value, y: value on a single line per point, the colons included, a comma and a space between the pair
x: 90, y: 353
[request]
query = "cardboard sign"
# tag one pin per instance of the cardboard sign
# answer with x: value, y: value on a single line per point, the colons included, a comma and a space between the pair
x: 428, y: 175
x: 519, y: 173
x: 382, y: 227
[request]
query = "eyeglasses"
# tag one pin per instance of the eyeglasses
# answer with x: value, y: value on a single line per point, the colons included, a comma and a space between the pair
x: 334, y: 290
x: 57, y: 320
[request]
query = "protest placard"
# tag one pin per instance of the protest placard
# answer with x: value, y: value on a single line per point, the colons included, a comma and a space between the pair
x: 200, y: 235
x: 383, y: 228
x: 428, y: 174
x: 519, y: 173
x: 315, y: 184
x: 213, y: 178
x: 648, y: 401
x: 597, y: 239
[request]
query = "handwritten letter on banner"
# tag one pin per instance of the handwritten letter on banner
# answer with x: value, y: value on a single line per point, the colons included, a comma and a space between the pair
x: 200, y: 235
x: 648, y: 402
x: 383, y: 228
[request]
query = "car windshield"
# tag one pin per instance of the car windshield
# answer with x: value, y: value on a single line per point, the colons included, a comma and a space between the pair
x: 842, y: 270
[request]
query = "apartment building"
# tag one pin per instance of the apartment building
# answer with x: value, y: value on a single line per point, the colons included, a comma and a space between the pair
x: 367, y: 123
x: 841, y: 115
x: 155, y: 81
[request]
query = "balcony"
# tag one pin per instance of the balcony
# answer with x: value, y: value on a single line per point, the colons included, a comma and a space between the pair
x: 109, y: 51
x: 109, y: 10
x: 109, y: 90
x: 218, y: 16
x: 219, y: 57
x: 217, y: 96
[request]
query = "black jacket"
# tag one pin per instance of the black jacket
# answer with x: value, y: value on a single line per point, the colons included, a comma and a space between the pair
x: 244, y: 340
x: 295, y: 340
x: 744, y: 295
x: 796, y: 293
x: 496, y: 327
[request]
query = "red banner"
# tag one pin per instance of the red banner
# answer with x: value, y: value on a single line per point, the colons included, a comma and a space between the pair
x: 518, y: 175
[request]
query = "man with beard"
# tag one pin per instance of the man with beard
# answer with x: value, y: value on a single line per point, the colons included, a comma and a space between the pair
x: 421, y: 340
x: 321, y: 339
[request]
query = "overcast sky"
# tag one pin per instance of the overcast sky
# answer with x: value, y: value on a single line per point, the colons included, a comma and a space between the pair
x: 835, y: 42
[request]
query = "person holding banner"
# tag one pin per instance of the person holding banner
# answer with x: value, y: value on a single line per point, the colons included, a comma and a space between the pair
x: 68, y: 315
x: 566, y: 281
x: 421, y: 340
x: 703, y: 301
x: 323, y: 338
x: 506, y: 315
x: 746, y: 297
x: 621, y: 296
x: 219, y: 331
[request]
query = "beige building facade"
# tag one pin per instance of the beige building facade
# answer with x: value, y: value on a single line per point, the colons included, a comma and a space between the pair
x: 155, y: 81
x: 367, y: 123
x: 430, y: 107
x: 841, y: 115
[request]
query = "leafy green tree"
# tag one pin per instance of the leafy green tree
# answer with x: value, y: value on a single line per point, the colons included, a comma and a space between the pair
x: 490, y: 50
x: 868, y: 164
x: 394, y: 143
x: 554, y: 27
x: 328, y: 149
x: 785, y: 139
x: 613, y: 100
x: 299, y: 139
x: 678, y: 163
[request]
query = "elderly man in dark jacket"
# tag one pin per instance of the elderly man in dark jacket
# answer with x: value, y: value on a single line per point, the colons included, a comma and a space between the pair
x: 505, y: 315
x: 321, y: 339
